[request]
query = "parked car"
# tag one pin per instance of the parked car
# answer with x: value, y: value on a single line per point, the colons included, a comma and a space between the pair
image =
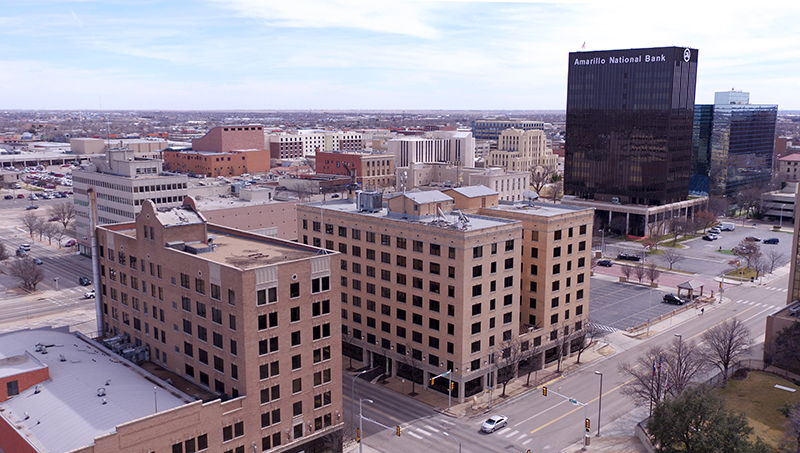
x: 89, y: 295
x: 771, y: 241
x: 70, y: 243
x: 84, y: 281
x: 37, y: 261
x: 715, y: 230
x: 19, y: 195
x: 8, y: 197
x: 628, y: 257
x: 752, y: 239
x: 33, y: 206
x: 494, y: 423
x: 673, y: 299
x: 708, y: 238
x: 727, y: 226
x: 21, y: 253
x: 25, y: 246
x: 605, y: 263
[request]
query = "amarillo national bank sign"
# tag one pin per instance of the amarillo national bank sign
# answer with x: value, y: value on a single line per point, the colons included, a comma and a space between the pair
x: 642, y: 58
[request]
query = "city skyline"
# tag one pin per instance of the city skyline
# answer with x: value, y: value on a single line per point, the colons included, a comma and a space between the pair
x: 248, y: 54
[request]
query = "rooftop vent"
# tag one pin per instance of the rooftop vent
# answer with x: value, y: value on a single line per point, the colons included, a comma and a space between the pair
x: 369, y: 201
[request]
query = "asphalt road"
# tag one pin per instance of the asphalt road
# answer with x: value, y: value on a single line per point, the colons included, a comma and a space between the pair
x: 549, y: 424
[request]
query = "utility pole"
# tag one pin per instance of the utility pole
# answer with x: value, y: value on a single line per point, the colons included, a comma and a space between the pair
x: 361, y: 424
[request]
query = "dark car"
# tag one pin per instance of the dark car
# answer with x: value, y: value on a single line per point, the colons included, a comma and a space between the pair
x: 752, y: 239
x: 31, y: 207
x: 37, y: 261
x: 84, y: 281
x: 673, y: 299
x: 771, y: 241
x: 605, y: 263
x: 628, y: 257
x: 8, y: 197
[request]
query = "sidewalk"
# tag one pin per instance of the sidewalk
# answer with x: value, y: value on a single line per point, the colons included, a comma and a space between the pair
x: 615, y: 437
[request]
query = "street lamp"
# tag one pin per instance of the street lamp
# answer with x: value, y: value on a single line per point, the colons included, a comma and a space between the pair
x: 353, y: 393
x: 361, y: 424
x: 459, y: 441
x: 602, y: 240
x: 782, y: 206
x: 599, y: 401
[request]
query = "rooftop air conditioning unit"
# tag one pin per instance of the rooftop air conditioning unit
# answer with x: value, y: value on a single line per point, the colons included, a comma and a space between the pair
x: 369, y: 201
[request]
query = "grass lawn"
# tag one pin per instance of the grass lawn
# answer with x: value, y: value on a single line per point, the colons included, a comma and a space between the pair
x: 742, y: 273
x: 726, y: 252
x: 757, y: 398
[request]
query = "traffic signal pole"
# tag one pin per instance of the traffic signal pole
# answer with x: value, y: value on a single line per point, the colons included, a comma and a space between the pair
x: 586, y: 421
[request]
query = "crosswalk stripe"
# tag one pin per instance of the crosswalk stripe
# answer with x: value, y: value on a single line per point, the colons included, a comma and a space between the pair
x: 424, y: 432
x: 431, y: 428
x: 527, y: 442
x: 522, y: 436
x: 411, y: 433
x: 513, y: 432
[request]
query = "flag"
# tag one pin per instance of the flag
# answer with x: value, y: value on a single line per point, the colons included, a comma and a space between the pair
x: 654, y: 368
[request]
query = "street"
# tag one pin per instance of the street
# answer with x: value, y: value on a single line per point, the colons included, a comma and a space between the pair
x: 549, y: 424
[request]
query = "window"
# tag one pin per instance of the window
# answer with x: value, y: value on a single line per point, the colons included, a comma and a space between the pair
x: 216, y: 315
x: 317, y: 285
x: 267, y: 296
x: 296, y: 362
x: 556, y: 252
x: 215, y: 291
x: 509, y: 245
x: 477, y: 290
x: 294, y: 290
x: 200, y: 285
x: 477, y: 252
x: 477, y: 271
x: 435, y: 249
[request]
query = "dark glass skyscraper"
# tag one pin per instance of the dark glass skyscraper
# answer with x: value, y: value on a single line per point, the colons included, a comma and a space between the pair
x: 701, y: 149
x: 742, y: 143
x: 629, y: 124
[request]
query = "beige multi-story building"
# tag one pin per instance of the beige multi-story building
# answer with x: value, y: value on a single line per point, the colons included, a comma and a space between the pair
x: 522, y: 151
x: 242, y: 316
x: 426, y: 288
x: 555, y: 267
x: 511, y: 186
x: 309, y: 142
x: 452, y: 147
x: 122, y: 181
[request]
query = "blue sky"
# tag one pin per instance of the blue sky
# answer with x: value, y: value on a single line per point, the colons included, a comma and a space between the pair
x: 354, y: 54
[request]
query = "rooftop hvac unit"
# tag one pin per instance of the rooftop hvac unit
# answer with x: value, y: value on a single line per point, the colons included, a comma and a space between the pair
x: 369, y: 201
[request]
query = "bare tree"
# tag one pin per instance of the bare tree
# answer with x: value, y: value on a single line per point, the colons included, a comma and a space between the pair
x: 672, y: 257
x: 413, y: 363
x: 774, y: 257
x: 725, y: 343
x: 705, y: 219
x: 347, y: 343
x: 30, y: 221
x: 686, y: 363
x: 639, y: 271
x: 718, y: 206
x: 653, y: 273
x: 3, y: 252
x: 650, y: 243
x: 761, y: 266
x: 556, y: 190
x: 749, y: 251
x: 28, y: 273
x: 40, y: 226
x: 58, y: 234
x: 626, y: 271
x: 677, y: 226
x: 49, y: 230
x: 590, y: 332
x: 508, y: 363
x: 540, y: 176
x: 63, y: 212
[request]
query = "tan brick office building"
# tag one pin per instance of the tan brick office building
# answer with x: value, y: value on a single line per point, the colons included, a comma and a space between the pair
x: 426, y: 288
x: 246, y: 317
x: 422, y: 293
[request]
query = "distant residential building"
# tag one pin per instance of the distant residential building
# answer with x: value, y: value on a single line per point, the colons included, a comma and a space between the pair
x: 522, y: 151
x: 122, y: 183
x: 453, y: 147
x: 370, y: 170
x: 788, y: 167
x: 213, y: 164
x: 742, y: 143
x: 509, y: 185
x: 245, y: 318
x: 491, y: 129
x: 629, y: 139
x: 309, y: 142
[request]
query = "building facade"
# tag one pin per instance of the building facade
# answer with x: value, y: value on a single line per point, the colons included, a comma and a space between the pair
x: 510, y: 186
x: 371, y: 171
x: 453, y: 147
x: 521, y: 151
x: 310, y: 142
x: 788, y: 166
x: 222, y: 139
x: 742, y: 143
x: 122, y: 183
x: 629, y: 124
x: 699, y: 183
x: 212, y: 163
x: 244, y: 316
x: 491, y: 129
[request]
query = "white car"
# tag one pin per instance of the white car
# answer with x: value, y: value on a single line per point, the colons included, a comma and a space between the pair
x: 89, y: 295
x: 494, y: 423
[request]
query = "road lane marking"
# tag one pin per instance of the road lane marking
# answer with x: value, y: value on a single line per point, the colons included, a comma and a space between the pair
x: 431, y: 428
x: 420, y: 430
x: 527, y: 442
x: 411, y: 433
x: 513, y: 432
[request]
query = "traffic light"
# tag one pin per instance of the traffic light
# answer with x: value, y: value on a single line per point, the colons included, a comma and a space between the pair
x: 358, y: 434
x: 528, y: 451
x: 398, y: 431
x: 432, y: 379
x: 544, y: 391
x: 587, y: 423
x: 452, y: 385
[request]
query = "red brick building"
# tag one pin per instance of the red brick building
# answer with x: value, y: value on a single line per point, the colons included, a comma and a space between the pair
x: 213, y: 163
x: 372, y: 171
x: 222, y: 139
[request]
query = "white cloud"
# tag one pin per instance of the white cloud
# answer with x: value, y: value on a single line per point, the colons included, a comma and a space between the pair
x: 381, y: 16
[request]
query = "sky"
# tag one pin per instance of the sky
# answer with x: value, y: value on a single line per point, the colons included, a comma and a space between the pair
x: 370, y: 54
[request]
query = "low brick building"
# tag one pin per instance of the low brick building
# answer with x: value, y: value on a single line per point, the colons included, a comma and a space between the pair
x: 371, y: 171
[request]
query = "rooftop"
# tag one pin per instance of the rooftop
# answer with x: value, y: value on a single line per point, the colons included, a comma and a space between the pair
x: 540, y: 209
x: 428, y: 196
x: 179, y: 216
x: 67, y: 412
x: 449, y: 221
x: 475, y: 191
x: 795, y: 157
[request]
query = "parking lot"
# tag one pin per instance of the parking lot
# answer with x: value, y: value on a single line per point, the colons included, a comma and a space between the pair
x: 703, y: 257
x: 619, y: 306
